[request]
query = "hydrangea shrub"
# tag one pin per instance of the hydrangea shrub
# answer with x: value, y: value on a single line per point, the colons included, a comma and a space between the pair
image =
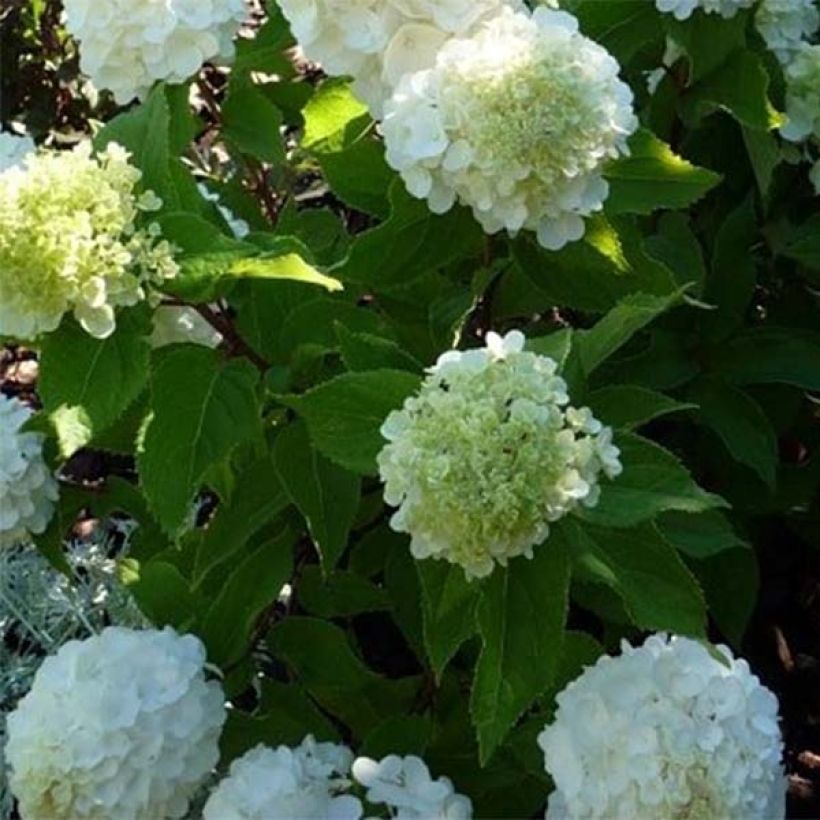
x: 431, y: 350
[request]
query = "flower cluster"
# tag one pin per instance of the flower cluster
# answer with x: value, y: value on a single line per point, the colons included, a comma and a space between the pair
x: 306, y: 781
x: 69, y: 241
x: 41, y: 608
x: 13, y: 149
x: 488, y: 454
x: 405, y: 785
x: 127, y: 45
x: 683, y: 9
x: 803, y: 94
x: 123, y: 723
x: 517, y: 122
x: 784, y: 24
x: 27, y: 489
x: 378, y: 41
x: 665, y: 730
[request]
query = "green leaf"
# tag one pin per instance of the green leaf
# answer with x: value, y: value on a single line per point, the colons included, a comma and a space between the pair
x: 285, y: 715
x: 653, y: 177
x: 631, y: 406
x: 265, y: 52
x: 257, y: 499
x: 765, y: 156
x: 252, y: 123
x: 708, y: 39
x: 163, y: 594
x: 360, y: 176
x: 321, y: 659
x: 144, y: 132
x: 741, y: 87
x: 363, y: 351
x: 398, y: 735
x: 339, y: 595
x: 646, y: 572
x: 87, y: 383
x: 406, y: 244
x: 653, y: 481
x: 770, y: 355
x: 521, y: 619
x: 345, y: 415
x: 732, y: 279
x: 700, y: 536
x: 201, y: 408
x: 404, y: 590
x: 676, y: 245
x: 731, y: 582
x: 252, y: 585
x: 804, y: 243
x: 614, y: 262
x: 334, y: 118
x: 622, y: 27
x: 614, y: 330
x: 740, y: 423
x: 448, y: 605
x: 325, y: 494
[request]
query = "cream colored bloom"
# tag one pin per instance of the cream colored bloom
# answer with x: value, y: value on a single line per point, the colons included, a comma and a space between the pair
x: 69, y: 242
x: 516, y: 121
x: 127, y: 45
x: 376, y: 42
x: 665, y: 730
x: 488, y: 453
x: 308, y: 781
x: 121, y: 725
x: 28, y: 491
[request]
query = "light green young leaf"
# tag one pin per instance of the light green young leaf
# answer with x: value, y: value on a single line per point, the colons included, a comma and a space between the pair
x: 334, y: 118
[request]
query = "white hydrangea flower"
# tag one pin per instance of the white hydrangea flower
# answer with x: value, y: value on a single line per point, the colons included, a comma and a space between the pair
x: 182, y: 325
x: 665, y: 730
x: 377, y: 41
x: 784, y: 24
x: 308, y: 781
x: 683, y: 9
x: 14, y: 149
x: 488, y: 453
x: 69, y: 241
x: 127, y: 45
x: 28, y: 491
x: 802, y: 74
x: 122, y: 724
x: 404, y: 784
x: 516, y: 121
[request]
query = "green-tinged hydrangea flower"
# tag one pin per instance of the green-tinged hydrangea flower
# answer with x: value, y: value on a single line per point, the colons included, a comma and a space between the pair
x: 488, y: 454
x: 803, y: 94
x: 69, y: 241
